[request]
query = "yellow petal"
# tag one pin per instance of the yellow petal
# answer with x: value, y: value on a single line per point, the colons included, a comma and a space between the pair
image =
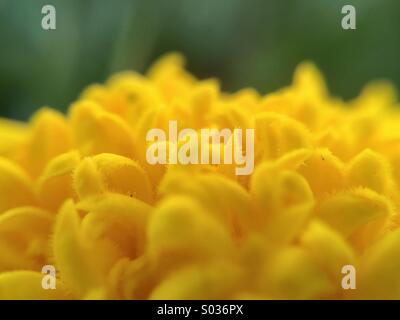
x: 360, y: 211
x: 285, y: 226
x: 138, y: 93
x: 169, y: 75
x: 377, y: 95
x: 324, y: 172
x: 54, y: 186
x: 12, y: 134
x: 179, y: 226
x: 275, y: 189
x: 50, y: 136
x: 309, y: 81
x: 293, y: 275
x: 329, y: 249
x: 293, y: 159
x: 135, y: 279
x: 112, y: 173
x: 27, y: 285
x: 379, y: 276
x: 212, y: 281
x: 73, y: 255
x: 223, y: 198
x: 277, y: 134
x: 204, y: 97
x: 24, y: 236
x: 284, y: 200
x: 87, y: 180
x: 110, y: 100
x: 370, y: 170
x: 96, y: 294
x: 97, y: 131
x: 119, y: 219
x: 15, y: 186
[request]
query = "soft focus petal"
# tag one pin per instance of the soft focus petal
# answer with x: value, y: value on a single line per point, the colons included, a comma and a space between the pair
x: 16, y: 188
x: 360, y: 213
x: 72, y: 253
x: 329, y: 249
x: 112, y: 173
x: 27, y: 285
x: 379, y: 277
x: 293, y: 275
x: 54, y: 186
x: 24, y: 238
x: 96, y: 131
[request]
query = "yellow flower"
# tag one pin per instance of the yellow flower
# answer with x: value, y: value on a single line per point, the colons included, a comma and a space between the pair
x: 77, y: 193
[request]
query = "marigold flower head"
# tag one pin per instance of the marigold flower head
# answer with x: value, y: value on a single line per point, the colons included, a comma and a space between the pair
x: 77, y: 192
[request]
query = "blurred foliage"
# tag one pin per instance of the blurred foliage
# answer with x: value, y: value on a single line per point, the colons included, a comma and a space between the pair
x: 243, y: 42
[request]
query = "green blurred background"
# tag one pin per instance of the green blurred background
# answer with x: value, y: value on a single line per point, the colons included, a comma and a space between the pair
x: 254, y: 43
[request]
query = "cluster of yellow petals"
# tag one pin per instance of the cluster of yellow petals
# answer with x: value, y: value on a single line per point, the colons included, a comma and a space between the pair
x: 76, y: 192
